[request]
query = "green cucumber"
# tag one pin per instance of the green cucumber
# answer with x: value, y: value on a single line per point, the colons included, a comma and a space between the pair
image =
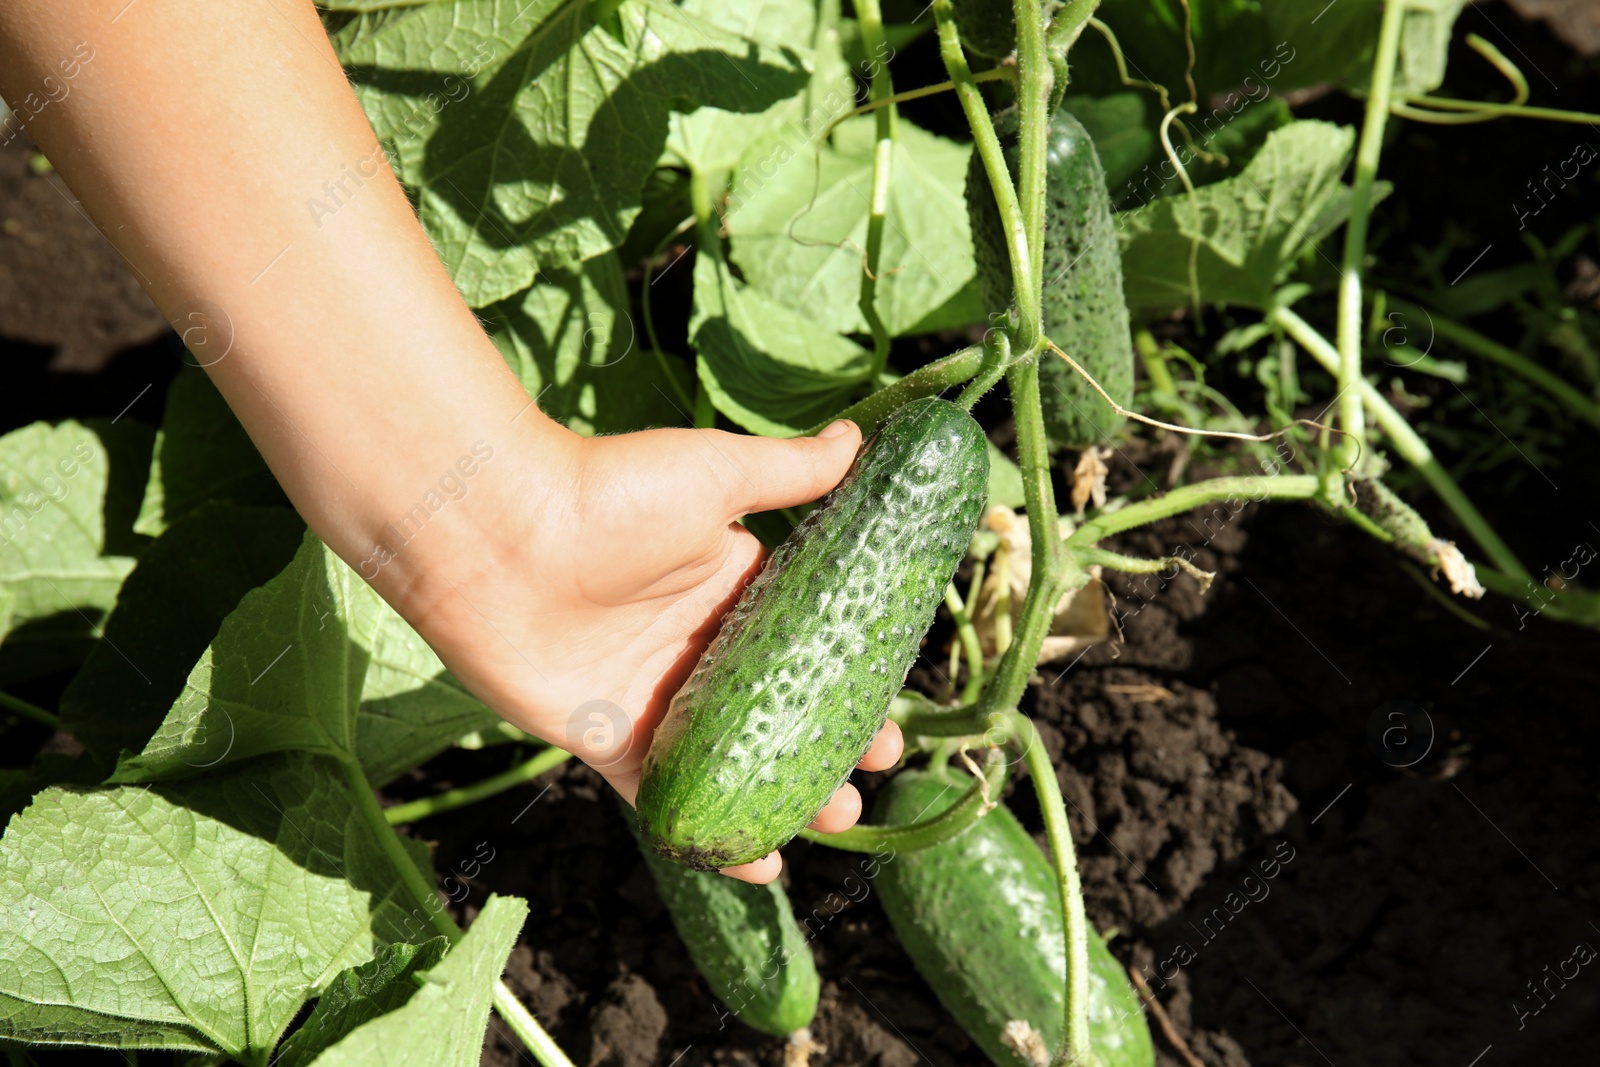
x: 986, y: 27
x: 744, y: 940
x: 980, y: 916
x: 1081, y: 301
x: 798, y: 681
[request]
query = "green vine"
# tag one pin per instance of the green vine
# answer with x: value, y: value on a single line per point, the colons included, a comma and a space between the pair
x: 936, y: 830
x: 512, y: 1010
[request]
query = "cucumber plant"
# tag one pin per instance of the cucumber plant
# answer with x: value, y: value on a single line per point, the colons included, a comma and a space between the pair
x: 240, y: 695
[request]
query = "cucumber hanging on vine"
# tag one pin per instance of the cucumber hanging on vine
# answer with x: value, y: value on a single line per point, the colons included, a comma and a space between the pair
x: 1081, y: 300
x: 980, y: 916
x: 789, y: 696
x: 744, y: 940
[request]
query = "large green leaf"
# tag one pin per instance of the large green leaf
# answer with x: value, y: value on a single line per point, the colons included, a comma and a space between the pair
x: 1250, y: 46
x: 312, y: 661
x: 168, y: 611
x: 61, y: 514
x: 712, y: 141
x: 1249, y: 228
x: 442, y: 1025
x: 197, y: 915
x: 527, y: 131
x: 1339, y: 42
x: 799, y: 225
x: 202, y: 454
x: 767, y: 367
x: 571, y: 341
x: 381, y: 985
x: 411, y: 708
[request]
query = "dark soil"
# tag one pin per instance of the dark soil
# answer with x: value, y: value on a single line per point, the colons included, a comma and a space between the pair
x: 1292, y: 896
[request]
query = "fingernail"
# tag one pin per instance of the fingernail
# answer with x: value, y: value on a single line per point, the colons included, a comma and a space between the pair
x: 836, y: 428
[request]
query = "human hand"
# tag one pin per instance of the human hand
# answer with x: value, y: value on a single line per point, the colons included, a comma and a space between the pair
x: 595, y: 572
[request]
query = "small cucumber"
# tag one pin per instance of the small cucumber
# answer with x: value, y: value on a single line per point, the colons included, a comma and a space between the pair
x: 790, y: 694
x: 1082, y: 303
x: 744, y: 940
x: 980, y: 916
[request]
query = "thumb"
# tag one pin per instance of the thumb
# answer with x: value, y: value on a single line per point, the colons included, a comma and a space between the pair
x: 778, y: 473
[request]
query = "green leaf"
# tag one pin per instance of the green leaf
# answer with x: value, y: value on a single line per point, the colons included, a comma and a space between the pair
x: 712, y: 141
x: 573, y: 345
x: 201, y: 454
x: 381, y: 985
x: 411, y: 708
x: 1005, y: 481
x: 799, y: 224
x: 168, y: 611
x: 527, y: 132
x: 312, y: 661
x: 60, y: 578
x: 765, y: 366
x: 443, y: 1024
x: 19, y: 784
x: 1251, y: 46
x: 1339, y: 43
x: 368, y: 5
x: 1249, y: 228
x: 196, y: 916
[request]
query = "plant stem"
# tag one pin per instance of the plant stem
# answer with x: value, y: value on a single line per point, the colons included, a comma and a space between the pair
x: 1011, y: 674
x: 421, y: 890
x: 521, y: 1021
x: 30, y: 711
x: 1254, y: 487
x: 987, y: 144
x: 1412, y: 448
x: 1033, y: 100
x: 525, y: 1026
x: 1348, y: 373
x: 1550, y: 114
x: 996, y: 357
x: 870, y: 18
x: 452, y: 799
x: 968, y: 635
x: 1068, y: 24
x: 1509, y: 358
x: 1155, y: 363
x: 925, y: 834
x: 1059, y: 834
x: 936, y: 377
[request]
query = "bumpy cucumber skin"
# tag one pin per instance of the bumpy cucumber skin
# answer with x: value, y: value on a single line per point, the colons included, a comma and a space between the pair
x: 790, y: 694
x: 1083, y: 308
x: 980, y: 916
x: 987, y: 27
x: 744, y: 940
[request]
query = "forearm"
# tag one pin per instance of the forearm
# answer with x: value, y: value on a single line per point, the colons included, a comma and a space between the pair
x: 284, y: 249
